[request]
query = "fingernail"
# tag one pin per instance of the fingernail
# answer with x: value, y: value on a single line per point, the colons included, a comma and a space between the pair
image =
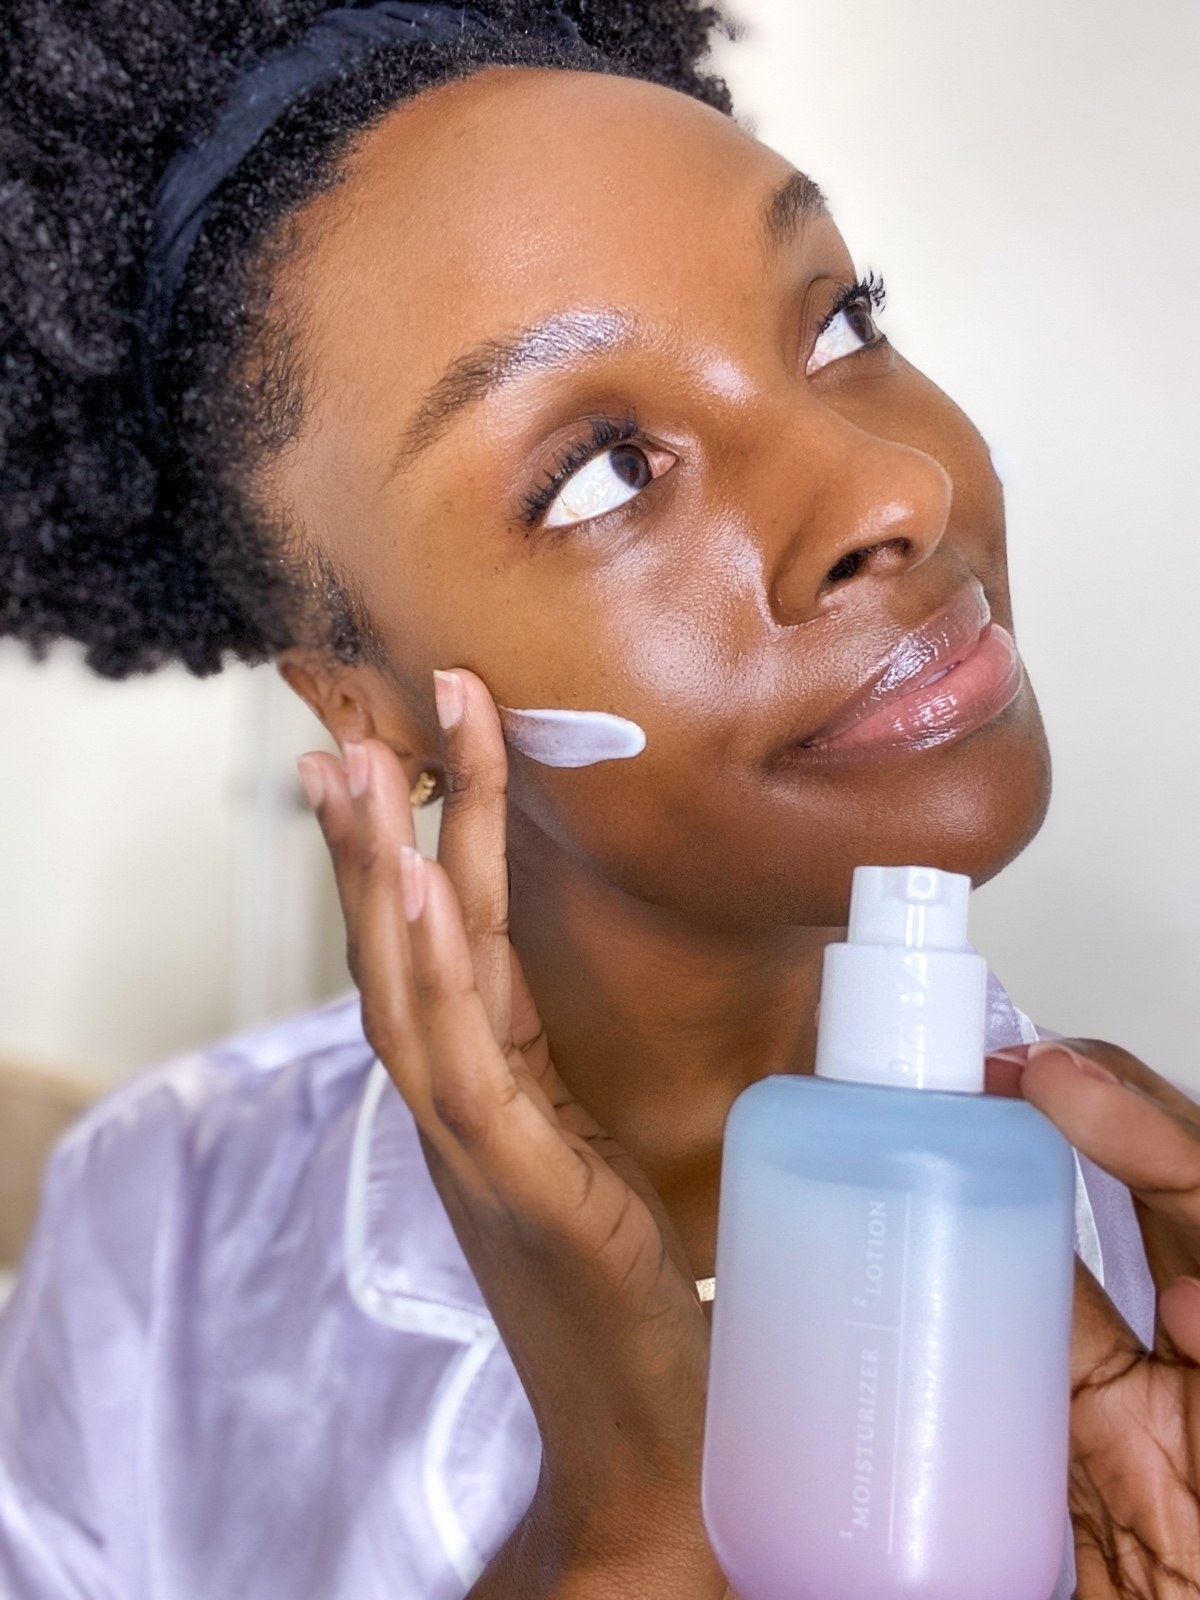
x: 1017, y: 1052
x: 312, y: 780
x: 358, y: 769
x: 413, y: 879
x: 1046, y: 1048
x: 448, y: 692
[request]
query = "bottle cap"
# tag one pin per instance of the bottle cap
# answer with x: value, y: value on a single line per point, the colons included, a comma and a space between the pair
x: 904, y: 999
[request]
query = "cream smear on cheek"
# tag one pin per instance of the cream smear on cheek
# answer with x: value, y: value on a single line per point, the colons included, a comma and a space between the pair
x: 565, y: 738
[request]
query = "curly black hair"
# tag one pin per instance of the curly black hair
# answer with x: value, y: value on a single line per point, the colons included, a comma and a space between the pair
x: 143, y: 553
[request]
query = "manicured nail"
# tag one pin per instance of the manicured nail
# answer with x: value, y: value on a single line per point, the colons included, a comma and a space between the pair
x: 312, y: 780
x: 448, y: 692
x: 1045, y: 1048
x: 413, y: 881
x: 358, y: 769
x: 1017, y: 1052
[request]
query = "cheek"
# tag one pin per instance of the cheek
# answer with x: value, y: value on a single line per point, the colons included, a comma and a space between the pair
x: 680, y: 667
x: 664, y: 633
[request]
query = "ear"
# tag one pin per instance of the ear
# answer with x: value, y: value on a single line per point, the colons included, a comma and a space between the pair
x: 359, y: 702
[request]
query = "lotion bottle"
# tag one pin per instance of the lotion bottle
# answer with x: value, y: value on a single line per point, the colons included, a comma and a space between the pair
x: 889, y: 1383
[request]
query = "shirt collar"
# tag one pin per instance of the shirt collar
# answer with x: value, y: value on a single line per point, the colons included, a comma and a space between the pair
x: 404, y: 1265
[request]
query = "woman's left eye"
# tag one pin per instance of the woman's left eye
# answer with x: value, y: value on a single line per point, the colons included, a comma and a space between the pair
x: 607, y: 481
x: 849, y: 327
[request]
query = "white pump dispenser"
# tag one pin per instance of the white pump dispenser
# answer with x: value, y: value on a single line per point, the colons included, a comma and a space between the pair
x: 904, y: 1000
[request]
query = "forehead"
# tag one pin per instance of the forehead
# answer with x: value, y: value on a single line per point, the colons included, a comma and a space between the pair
x: 500, y: 199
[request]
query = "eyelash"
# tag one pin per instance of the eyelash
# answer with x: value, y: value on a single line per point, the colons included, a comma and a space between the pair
x: 871, y: 288
x: 606, y: 432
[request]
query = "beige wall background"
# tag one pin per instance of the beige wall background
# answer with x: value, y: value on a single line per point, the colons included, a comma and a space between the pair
x: 1026, y: 178
x: 161, y: 881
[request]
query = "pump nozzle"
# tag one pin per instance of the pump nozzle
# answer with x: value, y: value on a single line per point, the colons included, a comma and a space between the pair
x: 917, y: 907
x: 904, y: 1000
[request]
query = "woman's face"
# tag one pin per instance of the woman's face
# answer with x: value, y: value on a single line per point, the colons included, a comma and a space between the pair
x: 542, y: 295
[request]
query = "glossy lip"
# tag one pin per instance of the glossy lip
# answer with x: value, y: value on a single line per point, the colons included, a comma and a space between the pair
x: 917, y: 698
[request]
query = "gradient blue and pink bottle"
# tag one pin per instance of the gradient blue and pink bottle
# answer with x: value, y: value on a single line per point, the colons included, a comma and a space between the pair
x: 889, y: 1387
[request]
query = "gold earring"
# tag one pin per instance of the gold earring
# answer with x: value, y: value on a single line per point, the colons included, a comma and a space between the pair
x: 423, y: 791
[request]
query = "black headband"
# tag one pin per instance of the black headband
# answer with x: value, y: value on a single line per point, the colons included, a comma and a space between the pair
x: 257, y: 100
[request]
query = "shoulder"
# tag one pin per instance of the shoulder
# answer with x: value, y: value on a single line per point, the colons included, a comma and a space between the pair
x: 306, y: 1064
x: 211, y: 1138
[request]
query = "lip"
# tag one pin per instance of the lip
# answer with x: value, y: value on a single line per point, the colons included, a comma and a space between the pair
x: 946, y: 678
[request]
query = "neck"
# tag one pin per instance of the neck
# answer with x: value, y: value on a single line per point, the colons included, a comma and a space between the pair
x: 656, y: 1024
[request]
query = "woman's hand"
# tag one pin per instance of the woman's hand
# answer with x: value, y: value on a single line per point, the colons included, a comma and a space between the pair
x: 572, y: 1249
x: 1135, y: 1413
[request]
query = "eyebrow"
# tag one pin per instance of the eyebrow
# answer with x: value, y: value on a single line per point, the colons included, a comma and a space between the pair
x: 563, y: 338
x: 487, y: 366
x: 795, y: 200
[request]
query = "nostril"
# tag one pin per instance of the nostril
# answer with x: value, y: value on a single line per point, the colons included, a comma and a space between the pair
x: 846, y: 567
x: 878, y: 556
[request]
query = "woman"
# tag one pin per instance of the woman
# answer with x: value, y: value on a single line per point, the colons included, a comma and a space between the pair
x: 481, y: 342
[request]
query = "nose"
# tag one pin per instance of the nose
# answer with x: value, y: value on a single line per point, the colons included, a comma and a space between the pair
x: 869, y: 508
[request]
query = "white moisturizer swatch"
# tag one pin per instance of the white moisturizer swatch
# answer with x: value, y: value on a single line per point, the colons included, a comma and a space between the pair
x: 572, y: 738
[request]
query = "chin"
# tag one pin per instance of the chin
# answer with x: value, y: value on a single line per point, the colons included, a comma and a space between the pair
x: 969, y: 806
x: 991, y: 815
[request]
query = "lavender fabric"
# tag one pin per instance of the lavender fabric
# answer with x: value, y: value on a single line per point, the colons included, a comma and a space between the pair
x: 246, y: 1357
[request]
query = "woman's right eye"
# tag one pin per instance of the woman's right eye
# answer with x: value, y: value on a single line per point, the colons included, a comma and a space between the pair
x: 604, y: 483
x: 595, y: 474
